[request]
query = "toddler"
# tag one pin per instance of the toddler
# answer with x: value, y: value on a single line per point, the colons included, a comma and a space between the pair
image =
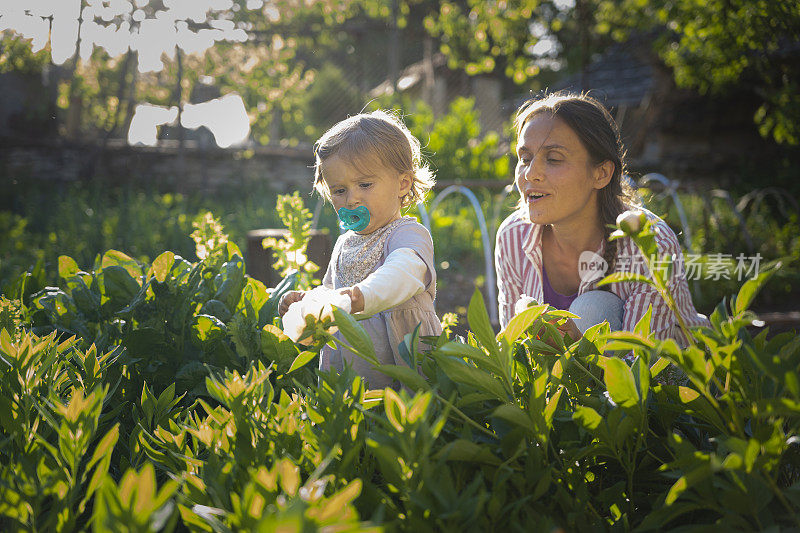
x: 370, y: 168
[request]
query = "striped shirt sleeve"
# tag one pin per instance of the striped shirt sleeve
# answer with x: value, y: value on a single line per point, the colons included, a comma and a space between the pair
x: 507, y: 255
x: 664, y: 323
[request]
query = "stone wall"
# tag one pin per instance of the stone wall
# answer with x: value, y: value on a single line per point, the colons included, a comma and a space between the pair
x: 166, y: 167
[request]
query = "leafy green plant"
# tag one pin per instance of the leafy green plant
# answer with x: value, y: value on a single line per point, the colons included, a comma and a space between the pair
x: 590, y: 437
x: 54, y: 452
x: 291, y: 250
x: 162, y: 396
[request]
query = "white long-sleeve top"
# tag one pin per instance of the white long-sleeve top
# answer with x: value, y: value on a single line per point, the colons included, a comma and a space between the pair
x: 400, y: 278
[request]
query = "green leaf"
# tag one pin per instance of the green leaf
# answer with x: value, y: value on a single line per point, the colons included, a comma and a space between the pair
x: 232, y: 250
x: 624, y: 427
x: 405, y: 375
x: 166, y: 400
x: 659, y: 366
x: 419, y: 407
x: 642, y: 327
x: 162, y: 265
x: 278, y: 346
x: 693, y: 361
x: 67, y: 266
x: 641, y: 376
x: 255, y: 294
x: 102, y: 454
x: 457, y: 349
x: 695, y: 405
x: 464, y: 450
x: 750, y: 289
x: 395, y: 409
x: 686, y: 481
x: 619, y: 277
x: 118, y: 285
x: 105, y: 446
x: 301, y: 360
x: 409, y: 347
x: 117, y: 258
x: 216, y: 308
x: 659, y: 518
x: 552, y: 405
x: 337, y: 504
x: 269, y: 310
x: 461, y: 372
x: 521, y: 322
x: 587, y: 417
x: 479, y: 322
x: 208, y: 329
x: 233, y: 282
x: 514, y: 415
x: 620, y: 383
x: 355, y: 335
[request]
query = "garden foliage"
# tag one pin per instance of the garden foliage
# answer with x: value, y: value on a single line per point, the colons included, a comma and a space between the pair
x: 162, y: 396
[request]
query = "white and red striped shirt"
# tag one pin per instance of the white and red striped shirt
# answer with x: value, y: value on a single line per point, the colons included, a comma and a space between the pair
x: 518, y: 261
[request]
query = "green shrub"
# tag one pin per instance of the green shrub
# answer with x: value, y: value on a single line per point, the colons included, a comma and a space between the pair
x: 521, y: 430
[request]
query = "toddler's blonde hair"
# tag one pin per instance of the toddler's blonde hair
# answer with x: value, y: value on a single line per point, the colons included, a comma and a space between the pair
x: 377, y: 137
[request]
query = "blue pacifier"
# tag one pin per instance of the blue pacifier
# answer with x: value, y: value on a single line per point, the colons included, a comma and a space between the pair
x: 355, y: 219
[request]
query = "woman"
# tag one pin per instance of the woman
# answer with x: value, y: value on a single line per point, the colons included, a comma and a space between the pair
x: 554, y: 248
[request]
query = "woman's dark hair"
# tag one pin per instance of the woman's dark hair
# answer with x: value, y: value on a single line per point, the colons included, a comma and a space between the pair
x: 599, y: 134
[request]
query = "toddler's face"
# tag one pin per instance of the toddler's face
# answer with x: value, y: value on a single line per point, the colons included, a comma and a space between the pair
x: 380, y: 190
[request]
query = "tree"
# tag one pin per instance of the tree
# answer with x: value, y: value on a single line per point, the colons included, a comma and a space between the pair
x: 32, y: 68
x: 712, y: 45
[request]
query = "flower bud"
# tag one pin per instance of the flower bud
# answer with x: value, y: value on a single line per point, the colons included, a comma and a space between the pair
x: 523, y: 303
x: 315, y: 307
x: 631, y: 222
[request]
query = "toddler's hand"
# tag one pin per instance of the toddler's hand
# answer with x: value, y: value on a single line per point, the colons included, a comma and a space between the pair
x: 356, y: 298
x: 288, y: 299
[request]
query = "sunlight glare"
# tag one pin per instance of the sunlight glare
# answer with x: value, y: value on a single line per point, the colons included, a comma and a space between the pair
x: 145, y: 122
x: 226, y: 117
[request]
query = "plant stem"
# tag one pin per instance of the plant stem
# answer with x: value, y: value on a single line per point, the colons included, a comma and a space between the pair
x: 586, y: 370
x: 662, y: 289
x: 466, y: 418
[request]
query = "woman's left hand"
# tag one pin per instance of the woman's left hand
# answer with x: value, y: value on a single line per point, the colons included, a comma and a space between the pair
x: 570, y: 329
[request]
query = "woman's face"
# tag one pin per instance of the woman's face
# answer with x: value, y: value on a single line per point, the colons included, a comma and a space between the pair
x: 555, y: 176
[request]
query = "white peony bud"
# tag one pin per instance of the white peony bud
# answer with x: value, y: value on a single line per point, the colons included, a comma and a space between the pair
x: 523, y: 303
x: 316, y: 304
x: 631, y: 222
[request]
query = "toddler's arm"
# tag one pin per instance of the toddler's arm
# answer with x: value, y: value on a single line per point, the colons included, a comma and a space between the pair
x: 400, y: 278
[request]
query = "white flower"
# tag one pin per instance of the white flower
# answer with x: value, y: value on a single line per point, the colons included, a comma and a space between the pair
x: 318, y: 305
x: 631, y: 221
x: 523, y: 303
